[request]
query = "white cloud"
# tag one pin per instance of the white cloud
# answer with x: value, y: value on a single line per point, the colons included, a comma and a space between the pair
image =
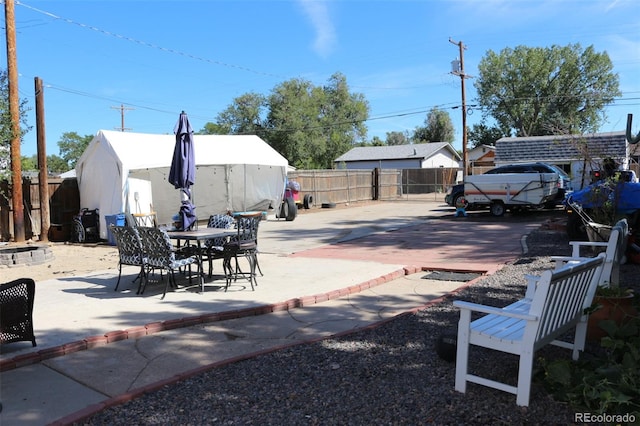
x: 325, y: 35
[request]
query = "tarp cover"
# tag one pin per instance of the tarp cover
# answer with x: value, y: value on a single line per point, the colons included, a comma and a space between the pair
x: 628, y: 195
x: 233, y: 173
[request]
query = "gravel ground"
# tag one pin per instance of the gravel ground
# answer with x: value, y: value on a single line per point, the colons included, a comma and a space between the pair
x: 388, y: 375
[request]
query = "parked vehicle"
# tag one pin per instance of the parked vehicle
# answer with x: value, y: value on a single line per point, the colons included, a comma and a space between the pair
x: 564, y: 182
x: 564, y: 185
x: 514, y: 191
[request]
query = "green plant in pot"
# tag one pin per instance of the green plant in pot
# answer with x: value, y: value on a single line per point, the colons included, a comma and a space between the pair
x: 603, y: 200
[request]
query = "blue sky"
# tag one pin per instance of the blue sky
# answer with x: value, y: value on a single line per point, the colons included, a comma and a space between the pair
x: 159, y: 57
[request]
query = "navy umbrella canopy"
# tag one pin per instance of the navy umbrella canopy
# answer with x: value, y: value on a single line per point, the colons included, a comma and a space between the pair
x: 182, y: 173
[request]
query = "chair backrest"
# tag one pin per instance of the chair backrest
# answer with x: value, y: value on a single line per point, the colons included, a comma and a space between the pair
x: 247, y: 228
x: 16, y: 309
x: 220, y: 221
x: 130, y: 220
x: 562, y: 296
x: 157, y: 246
x: 129, y: 244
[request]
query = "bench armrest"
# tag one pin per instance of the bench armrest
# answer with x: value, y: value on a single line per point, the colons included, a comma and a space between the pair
x: 563, y: 260
x: 492, y: 310
x: 532, y: 284
x: 578, y: 244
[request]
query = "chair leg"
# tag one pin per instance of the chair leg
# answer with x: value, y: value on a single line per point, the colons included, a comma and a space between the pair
x: 238, y: 270
x: 143, y: 276
x: 119, y: 276
x: 253, y: 261
x: 258, y: 265
x: 226, y: 267
x: 170, y: 280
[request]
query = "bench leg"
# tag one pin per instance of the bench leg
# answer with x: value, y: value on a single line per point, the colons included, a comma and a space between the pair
x: 462, y: 351
x: 524, y: 378
x: 579, y: 339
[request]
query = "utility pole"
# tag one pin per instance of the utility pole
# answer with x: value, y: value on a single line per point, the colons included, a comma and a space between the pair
x: 458, y: 69
x: 122, y: 109
x: 14, y: 111
x: 43, y: 174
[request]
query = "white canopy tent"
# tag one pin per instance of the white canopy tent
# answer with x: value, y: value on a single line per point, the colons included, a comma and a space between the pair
x: 122, y: 172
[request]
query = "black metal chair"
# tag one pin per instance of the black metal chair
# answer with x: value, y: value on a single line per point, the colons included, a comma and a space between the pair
x: 130, y: 252
x: 161, y: 254
x: 214, y: 248
x: 245, y: 243
x: 16, y: 311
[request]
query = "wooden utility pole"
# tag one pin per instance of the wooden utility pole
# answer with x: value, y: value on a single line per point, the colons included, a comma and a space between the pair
x: 122, y: 109
x: 460, y: 72
x: 43, y: 175
x: 14, y: 112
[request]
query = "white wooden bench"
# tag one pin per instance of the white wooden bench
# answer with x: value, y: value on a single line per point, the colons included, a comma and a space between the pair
x: 615, y: 249
x: 552, y: 306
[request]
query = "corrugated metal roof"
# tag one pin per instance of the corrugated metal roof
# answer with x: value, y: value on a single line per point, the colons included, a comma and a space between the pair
x: 395, y: 152
x: 561, y: 148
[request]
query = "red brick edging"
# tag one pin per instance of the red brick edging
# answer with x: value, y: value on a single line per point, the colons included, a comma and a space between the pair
x: 171, y: 324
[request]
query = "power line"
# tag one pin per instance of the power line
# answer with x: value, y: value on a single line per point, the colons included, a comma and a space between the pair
x: 147, y: 44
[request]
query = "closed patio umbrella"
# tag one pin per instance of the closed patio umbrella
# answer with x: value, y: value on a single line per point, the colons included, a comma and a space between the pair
x: 182, y: 173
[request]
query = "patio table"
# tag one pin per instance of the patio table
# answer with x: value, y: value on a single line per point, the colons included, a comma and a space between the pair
x: 197, y: 236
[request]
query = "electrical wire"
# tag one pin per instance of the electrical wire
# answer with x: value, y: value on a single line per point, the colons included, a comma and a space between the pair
x: 147, y: 44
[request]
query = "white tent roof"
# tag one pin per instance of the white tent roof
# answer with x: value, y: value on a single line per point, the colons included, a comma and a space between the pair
x: 147, y: 151
x: 127, y: 172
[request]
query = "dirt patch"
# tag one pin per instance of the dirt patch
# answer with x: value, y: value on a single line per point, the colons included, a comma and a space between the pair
x: 67, y: 260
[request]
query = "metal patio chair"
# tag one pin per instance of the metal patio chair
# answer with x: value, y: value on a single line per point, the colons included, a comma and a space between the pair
x: 161, y: 254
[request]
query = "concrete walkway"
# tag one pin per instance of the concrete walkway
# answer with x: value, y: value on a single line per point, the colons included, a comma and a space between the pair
x: 329, y: 271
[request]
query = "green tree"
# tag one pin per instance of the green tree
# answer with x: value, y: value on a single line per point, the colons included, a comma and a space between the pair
x: 243, y: 116
x: 342, y: 117
x: 546, y: 91
x: 29, y: 163
x: 481, y: 134
x: 438, y: 128
x: 376, y: 141
x: 6, y: 134
x: 214, y: 129
x: 293, y: 122
x: 55, y: 164
x: 311, y: 126
x: 398, y: 138
x: 72, y: 146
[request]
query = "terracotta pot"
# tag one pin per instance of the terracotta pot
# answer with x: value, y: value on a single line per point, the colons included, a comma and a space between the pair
x: 618, y: 309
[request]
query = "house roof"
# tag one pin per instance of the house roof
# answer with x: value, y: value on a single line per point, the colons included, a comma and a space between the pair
x: 561, y: 147
x: 480, y: 151
x: 396, y: 152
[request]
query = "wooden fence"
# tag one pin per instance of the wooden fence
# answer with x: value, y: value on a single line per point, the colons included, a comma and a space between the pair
x: 64, y: 203
x: 325, y: 186
x: 347, y: 186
